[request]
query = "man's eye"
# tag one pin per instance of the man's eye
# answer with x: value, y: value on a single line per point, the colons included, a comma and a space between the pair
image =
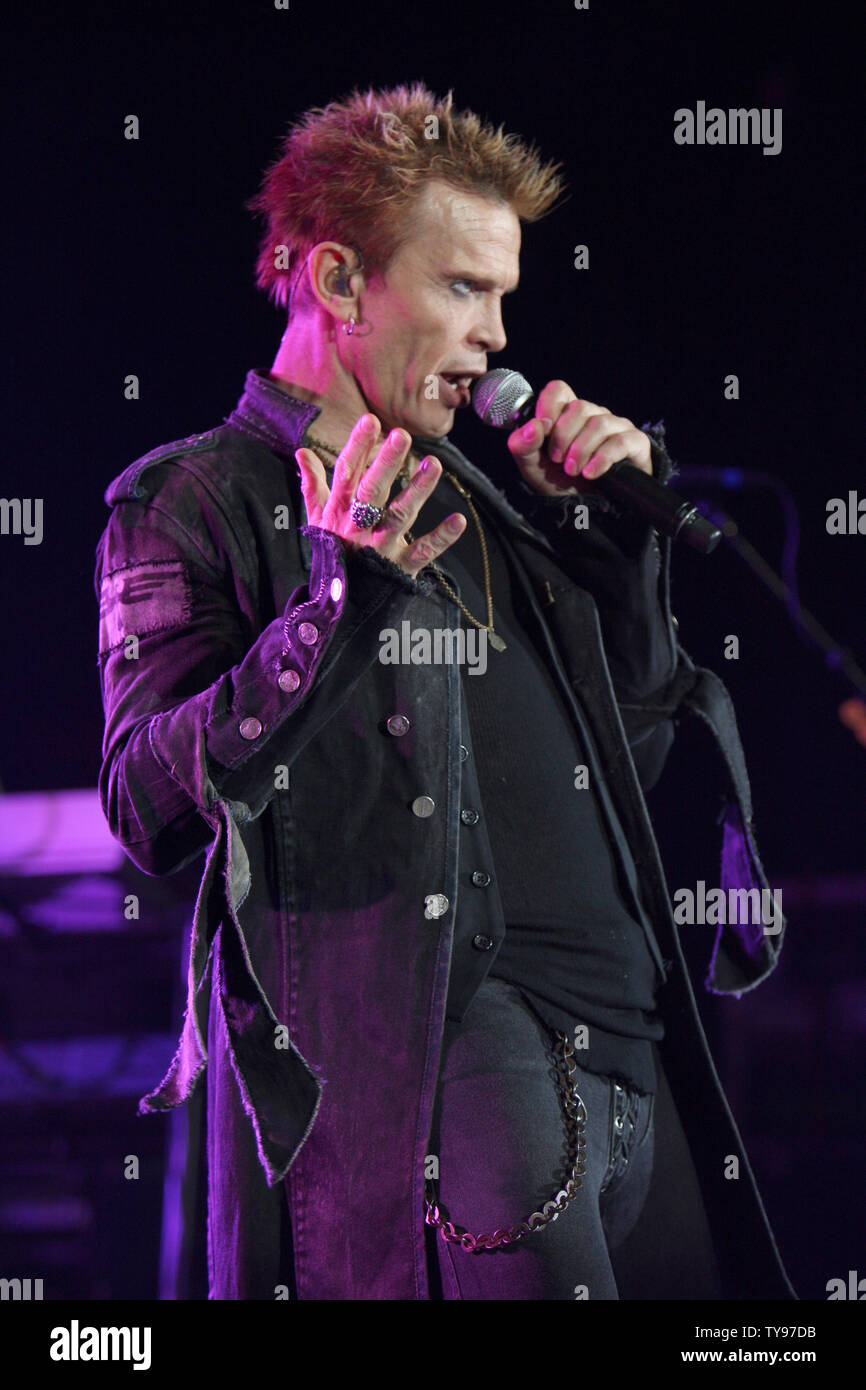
x: 467, y: 283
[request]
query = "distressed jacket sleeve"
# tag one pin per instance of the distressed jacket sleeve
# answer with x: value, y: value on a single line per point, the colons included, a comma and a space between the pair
x: 200, y: 706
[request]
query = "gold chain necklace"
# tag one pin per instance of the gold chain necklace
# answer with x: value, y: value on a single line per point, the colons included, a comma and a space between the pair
x: 496, y: 641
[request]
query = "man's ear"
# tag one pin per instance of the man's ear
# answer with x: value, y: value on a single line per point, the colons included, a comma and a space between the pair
x: 332, y: 279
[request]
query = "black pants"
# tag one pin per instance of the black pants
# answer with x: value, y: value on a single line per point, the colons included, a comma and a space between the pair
x: 637, y: 1228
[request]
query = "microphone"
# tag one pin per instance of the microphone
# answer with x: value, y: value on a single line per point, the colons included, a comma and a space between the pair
x: 505, y: 400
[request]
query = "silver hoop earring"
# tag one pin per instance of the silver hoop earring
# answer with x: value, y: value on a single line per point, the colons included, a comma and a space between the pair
x: 349, y: 327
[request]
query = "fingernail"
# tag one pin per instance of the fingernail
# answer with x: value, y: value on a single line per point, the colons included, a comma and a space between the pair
x: 546, y: 422
x: 367, y: 424
x: 529, y: 431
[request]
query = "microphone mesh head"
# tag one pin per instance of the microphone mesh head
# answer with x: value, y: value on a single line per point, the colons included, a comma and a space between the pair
x: 498, y: 395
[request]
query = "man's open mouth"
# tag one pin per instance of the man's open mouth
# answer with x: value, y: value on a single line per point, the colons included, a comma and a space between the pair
x: 456, y: 387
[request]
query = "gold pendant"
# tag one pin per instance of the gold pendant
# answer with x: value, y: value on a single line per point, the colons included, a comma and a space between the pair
x: 496, y: 642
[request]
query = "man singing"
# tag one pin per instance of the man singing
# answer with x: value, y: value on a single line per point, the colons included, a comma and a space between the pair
x: 450, y: 1044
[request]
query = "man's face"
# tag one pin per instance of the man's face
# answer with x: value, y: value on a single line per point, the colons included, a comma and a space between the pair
x: 438, y: 311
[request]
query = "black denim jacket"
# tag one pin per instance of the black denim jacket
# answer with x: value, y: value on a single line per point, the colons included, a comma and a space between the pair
x: 248, y: 715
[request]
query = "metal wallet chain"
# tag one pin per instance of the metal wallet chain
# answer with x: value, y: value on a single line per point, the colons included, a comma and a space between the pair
x: 575, y: 1111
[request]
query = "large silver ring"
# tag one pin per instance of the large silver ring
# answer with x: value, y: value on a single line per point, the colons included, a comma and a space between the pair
x: 365, y: 514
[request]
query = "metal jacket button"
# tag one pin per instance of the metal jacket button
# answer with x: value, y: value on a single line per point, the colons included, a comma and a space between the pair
x: 481, y: 879
x: 423, y: 806
x: 464, y: 752
x: 482, y: 943
x: 435, y: 905
x: 469, y: 817
x: 250, y: 728
x: 398, y: 725
x: 289, y: 680
x: 308, y: 633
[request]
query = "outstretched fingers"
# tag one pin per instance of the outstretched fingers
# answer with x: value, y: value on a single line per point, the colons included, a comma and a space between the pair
x: 314, y: 484
x: 351, y: 463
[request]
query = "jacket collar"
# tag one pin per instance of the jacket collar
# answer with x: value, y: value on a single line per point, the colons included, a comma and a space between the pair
x: 271, y: 414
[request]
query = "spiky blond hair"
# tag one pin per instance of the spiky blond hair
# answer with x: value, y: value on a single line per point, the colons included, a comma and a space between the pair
x: 351, y: 172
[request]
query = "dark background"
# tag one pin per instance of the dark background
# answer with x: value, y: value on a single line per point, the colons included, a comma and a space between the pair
x: 137, y: 257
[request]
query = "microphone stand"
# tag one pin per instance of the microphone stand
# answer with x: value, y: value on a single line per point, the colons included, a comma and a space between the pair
x: 836, y: 657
